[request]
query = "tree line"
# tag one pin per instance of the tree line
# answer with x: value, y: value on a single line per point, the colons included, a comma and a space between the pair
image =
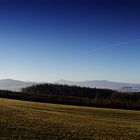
x: 74, y: 95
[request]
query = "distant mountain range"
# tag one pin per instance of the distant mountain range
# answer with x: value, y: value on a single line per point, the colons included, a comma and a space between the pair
x: 14, y: 85
x: 123, y: 87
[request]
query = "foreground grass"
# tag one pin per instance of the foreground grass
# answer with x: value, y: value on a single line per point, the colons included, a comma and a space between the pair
x: 30, y: 120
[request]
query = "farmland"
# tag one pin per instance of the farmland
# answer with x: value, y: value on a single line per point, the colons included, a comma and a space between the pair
x: 31, y: 120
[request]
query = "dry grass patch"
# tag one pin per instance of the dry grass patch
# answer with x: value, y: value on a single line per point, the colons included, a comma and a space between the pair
x: 30, y: 120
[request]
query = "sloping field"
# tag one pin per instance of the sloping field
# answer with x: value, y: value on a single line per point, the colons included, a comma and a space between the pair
x: 41, y: 121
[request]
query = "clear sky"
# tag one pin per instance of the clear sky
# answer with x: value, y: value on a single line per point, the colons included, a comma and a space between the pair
x: 48, y: 40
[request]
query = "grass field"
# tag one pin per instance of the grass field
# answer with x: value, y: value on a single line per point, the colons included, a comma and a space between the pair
x: 42, y: 121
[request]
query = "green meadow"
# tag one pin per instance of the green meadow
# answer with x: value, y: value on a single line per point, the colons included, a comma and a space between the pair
x: 24, y: 120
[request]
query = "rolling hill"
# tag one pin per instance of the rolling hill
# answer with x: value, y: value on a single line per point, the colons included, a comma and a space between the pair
x: 22, y: 120
x: 14, y: 85
x: 123, y: 87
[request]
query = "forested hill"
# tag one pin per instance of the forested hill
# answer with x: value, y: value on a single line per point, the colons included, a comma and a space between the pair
x: 64, y: 94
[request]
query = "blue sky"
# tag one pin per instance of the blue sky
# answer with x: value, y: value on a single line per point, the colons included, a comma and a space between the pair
x: 47, y: 40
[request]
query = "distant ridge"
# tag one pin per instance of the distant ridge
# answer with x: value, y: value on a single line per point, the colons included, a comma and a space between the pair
x: 17, y: 85
x: 122, y: 87
x: 14, y: 85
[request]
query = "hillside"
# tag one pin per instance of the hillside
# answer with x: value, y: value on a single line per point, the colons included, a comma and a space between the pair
x: 103, y: 84
x: 14, y: 85
x: 73, y: 95
x: 20, y: 120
